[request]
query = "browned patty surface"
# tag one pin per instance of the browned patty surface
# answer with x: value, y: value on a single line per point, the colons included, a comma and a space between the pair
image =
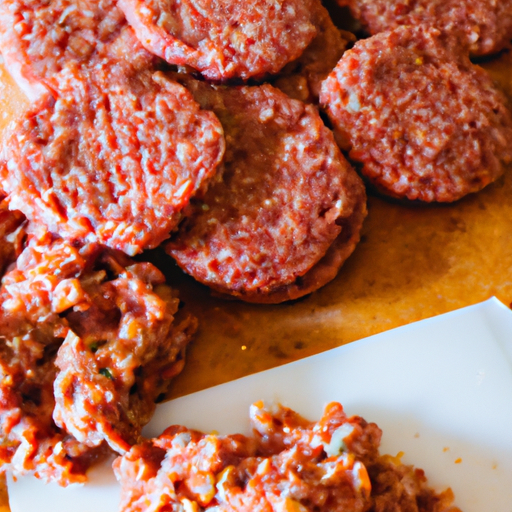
x: 284, y: 191
x: 485, y: 26
x: 224, y: 39
x: 38, y: 37
x: 424, y: 122
x: 114, y: 157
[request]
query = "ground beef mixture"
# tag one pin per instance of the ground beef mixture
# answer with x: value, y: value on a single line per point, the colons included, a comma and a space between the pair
x: 114, y: 157
x: 224, y: 39
x: 302, y: 78
x: 485, y: 26
x: 289, y: 464
x: 283, y: 194
x: 422, y: 120
x: 38, y: 37
x: 12, y: 235
x: 71, y: 318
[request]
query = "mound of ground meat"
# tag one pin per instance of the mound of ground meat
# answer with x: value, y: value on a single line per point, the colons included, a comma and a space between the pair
x: 283, y: 193
x: 302, y: 78
x: 224, y: 39
x: 485, y: 26
x: 113, y: 158
x: 38, y: 37
x: 290, y: 464
x: 422, y: 120
x: 90, y: 340
x: 119, y: 357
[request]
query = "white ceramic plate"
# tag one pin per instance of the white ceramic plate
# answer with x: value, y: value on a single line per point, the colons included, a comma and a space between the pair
x: 441, y: 390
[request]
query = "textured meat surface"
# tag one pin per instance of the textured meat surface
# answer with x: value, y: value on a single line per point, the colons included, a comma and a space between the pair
x: 90, y: 340
x: 302, y: 78
x: 114, y: 157
x: 289, y: 464
x: 119, y: 357
x: 283, y: 192
x: 425, y: 123
x: 484, y: 25
x: 224, y: 39
x: 32, y: 332
x: 38, y: 37
x: 12, y: 234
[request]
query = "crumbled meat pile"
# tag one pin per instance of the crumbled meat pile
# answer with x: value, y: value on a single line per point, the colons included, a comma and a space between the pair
x: 289, y: 464
x: 90, y: 341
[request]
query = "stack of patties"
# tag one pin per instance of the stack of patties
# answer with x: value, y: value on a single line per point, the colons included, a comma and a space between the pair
x: 119, y: 153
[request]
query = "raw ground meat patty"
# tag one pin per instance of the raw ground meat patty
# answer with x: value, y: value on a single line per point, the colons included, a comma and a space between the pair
x: 113, y: 158
x: 484, y: 25
x: 283, y: 194
x: 302, y: 78
x: 289, y: 464
x: 424, y: 122
x: 89, y: 341
x: 38, y: 37
x: 224, y: 39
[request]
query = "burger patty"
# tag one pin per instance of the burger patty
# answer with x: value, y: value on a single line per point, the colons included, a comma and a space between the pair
x: 224, y: 39
x: 283, y: 195
x: 422, y: 120
x: 485, y: 26
x: 113, y: 157
x: 38, y: 37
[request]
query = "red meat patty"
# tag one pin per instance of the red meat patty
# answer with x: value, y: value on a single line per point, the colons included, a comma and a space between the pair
x: 113, y: 158
x: 284, y: 196
x: 424, y: 122
x: 224, y: 39
x: 38, y: 37
x: 484, y: 25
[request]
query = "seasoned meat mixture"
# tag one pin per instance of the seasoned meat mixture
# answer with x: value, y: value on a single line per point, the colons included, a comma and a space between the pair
x: 289, y: 464
x: 71, y: 319
x: 485, y: 26
x: 38, y: 37
x: 12, y: 235
x: 280, y: 202
x: 224, y: 39
x: 113, y: 158
x: 422, y: 120
x: 32, y: 331
x: 302, y: 78
x: 119, y: 357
